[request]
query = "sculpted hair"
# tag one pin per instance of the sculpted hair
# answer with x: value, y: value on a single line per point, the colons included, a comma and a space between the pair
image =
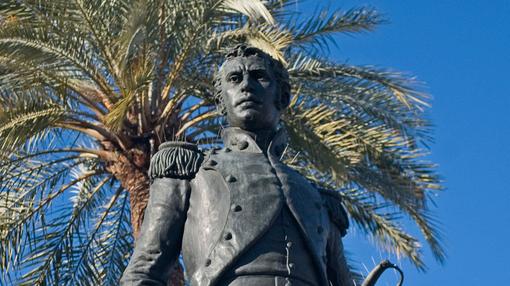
x: 280, y: 72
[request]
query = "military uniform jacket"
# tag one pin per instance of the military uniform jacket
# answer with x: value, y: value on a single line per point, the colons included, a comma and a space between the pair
x: 214, y: 207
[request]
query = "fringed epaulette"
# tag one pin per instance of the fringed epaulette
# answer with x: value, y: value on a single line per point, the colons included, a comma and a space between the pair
x: 337, y: 213
x: 180, y: 160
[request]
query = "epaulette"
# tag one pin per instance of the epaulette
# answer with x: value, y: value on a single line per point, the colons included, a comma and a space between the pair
x: 180, y: 160
x: 333, y: 202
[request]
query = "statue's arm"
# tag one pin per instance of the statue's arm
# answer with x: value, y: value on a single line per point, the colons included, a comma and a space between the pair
x: 337, y: 269
x: 159, y: 244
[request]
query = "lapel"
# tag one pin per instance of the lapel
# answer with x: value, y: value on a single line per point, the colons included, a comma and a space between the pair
x: 305, y: 203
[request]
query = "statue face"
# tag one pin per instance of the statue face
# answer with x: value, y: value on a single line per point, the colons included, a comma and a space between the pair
x: 249, y: 92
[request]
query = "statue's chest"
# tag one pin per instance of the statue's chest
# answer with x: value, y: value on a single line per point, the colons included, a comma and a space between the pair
x: 250, y: 176
x: 236, y: 198
x: 248, y: 181
x: 254, y: 185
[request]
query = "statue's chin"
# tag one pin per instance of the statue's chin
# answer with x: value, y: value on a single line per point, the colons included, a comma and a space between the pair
x: 245, y: 119
x: 254, y: 125
x: 253, y: 120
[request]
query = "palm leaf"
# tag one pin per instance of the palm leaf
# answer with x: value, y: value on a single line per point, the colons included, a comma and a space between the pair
x: 318, y: 30
x: 30, y: 120
x: 253, y: 9
x: 54, y: 243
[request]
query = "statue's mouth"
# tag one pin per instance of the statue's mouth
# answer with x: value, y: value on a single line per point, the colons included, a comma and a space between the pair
x: 249, y: 102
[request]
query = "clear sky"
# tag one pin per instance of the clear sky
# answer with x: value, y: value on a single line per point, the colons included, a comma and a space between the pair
x: 461, y: 49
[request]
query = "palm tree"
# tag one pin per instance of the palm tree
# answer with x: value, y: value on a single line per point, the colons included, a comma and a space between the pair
x: 90, y: 88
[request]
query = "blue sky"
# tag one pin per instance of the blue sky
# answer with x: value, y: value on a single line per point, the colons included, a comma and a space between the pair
x: 461, y: 50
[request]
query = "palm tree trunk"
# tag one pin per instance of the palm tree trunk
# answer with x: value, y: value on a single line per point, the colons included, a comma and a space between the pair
x: 136, y: 182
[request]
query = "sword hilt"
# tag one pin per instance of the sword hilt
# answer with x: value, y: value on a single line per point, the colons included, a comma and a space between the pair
x: 374, y: 275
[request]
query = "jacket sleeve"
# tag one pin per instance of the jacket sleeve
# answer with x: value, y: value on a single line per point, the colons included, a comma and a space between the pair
x: 337, y: 269
x: 159, y: 244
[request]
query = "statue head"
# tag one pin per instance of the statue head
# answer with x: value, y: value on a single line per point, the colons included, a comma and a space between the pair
x: 252, y: 89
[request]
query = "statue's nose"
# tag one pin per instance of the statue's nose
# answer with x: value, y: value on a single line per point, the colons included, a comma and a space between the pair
x: 246, y: 84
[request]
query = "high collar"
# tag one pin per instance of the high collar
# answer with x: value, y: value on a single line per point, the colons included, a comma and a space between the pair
x: 240, y: 140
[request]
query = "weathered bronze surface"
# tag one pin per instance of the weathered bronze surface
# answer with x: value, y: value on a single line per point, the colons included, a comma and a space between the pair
x: 239, y: 215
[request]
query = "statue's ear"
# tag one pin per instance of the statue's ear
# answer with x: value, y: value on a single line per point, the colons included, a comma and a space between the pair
x: 284, y: 99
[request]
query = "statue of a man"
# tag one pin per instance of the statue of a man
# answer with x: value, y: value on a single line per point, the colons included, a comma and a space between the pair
x: 239, y: 215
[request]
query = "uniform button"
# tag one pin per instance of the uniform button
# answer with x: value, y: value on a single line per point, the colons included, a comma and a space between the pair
x: 320, y: 229
x: 207, y: 262
x: 236, y: 208
x: 231, y: 179
x: 289, y: 244
x: 228, y: 236
x: 291, y: 265
x: 242, y: 145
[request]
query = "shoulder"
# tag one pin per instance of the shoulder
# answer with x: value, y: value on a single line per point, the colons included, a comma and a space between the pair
x: 180, y: 160
x: 333, y: 202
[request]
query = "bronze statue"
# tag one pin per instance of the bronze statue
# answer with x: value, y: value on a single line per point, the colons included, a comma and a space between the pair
x: 239, y: 215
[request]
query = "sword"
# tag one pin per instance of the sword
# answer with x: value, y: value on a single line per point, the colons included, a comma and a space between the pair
x: 374, y: 275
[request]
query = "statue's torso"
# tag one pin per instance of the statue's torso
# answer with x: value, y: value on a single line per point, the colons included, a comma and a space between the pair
x: 235, y: 201
x: 232, y: 214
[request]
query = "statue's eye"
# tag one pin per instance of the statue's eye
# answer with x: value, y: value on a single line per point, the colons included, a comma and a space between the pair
x: 235, y: 78
x: 260, y: 75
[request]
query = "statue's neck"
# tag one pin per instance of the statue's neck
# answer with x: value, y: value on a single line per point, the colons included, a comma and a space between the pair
x: 263, y: 138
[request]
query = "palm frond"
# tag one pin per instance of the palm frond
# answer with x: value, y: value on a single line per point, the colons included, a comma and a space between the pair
x: 115, y: 241
x: 431, y: 230
x: 308, y: 127
x: 115, y: 118
x: 272, y: 40
x: 97, y: 25
x: 87, y: 197
x: 42, y: 49
x: 373, y: 159
x: 227, y: 38
x: 28, y: 120
x: 254, y: 9
x: 33, y: 187
x: 318, y: 30
x: 367, y: 78
x: 58, y: 244
x: 381, y: 225
x: 137, y: 38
